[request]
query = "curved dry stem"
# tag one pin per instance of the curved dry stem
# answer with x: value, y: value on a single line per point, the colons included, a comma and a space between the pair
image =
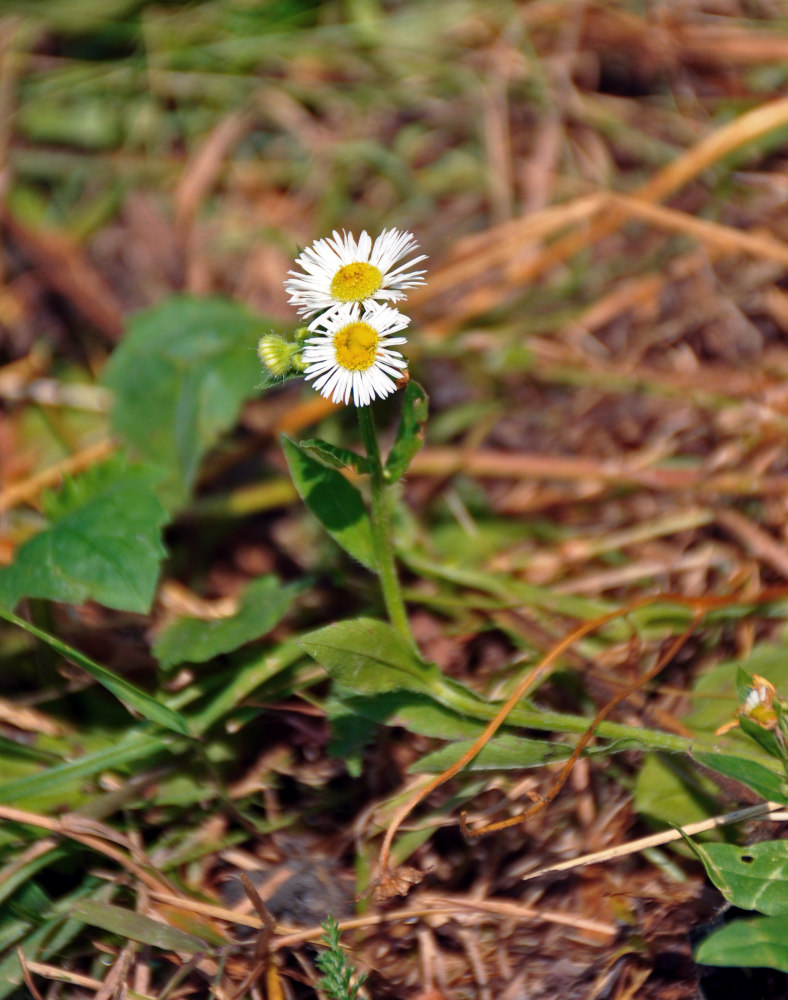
x: 699, y: 605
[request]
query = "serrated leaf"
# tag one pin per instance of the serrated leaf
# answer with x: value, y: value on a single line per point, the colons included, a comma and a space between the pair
x: 752, y: 878
x: 179, y: 377
x: 126, y: 692
x: 104, y: 543
x: 196, y: 640
x: 335, y: 456
x: 333, y: 500
x: 137, y: 927
x: 747, y: 943
x: 410, y: 433
x: 751, y: 773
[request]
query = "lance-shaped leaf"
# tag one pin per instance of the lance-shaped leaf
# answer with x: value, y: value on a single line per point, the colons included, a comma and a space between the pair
x: 131, y: 696
x: 766, y: 782
x: 410, y: 434
x: 103, y: 544
x: 333, y: 500
x: 129, y: 924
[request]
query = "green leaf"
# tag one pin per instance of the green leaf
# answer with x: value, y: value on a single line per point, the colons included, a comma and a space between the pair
x: 410, y: 433
x: 751, y: 773
x: 132, y: 697
x: 335, y: 456
x: 370, y: 657
x: 104, y: 543
x: 334, y: 502
x: 195, y: 640
x: 129, y: 924
x: 673, y: 793
x: 504, y: 752
x: 752, y: 878
x: 180, y: 376
x: 747, y: 943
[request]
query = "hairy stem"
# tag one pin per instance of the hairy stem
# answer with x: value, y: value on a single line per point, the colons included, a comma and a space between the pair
x: 381, y: 528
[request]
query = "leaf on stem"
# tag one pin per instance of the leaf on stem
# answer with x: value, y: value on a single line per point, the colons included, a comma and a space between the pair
x: 333, y: 500
x: 410, y: 434
x: 748, y: 943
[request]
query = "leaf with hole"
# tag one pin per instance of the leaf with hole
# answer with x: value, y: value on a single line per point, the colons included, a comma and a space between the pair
x: 750, y: 942
x: 752, y: 878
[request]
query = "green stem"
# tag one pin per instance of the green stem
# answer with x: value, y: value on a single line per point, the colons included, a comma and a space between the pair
x: 381, y: 527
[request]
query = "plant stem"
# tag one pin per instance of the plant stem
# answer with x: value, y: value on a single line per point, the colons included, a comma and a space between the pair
x: 381, y: 527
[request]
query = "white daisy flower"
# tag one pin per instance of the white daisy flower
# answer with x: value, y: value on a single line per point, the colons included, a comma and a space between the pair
x: 338, y: 270
x: 350, y: 354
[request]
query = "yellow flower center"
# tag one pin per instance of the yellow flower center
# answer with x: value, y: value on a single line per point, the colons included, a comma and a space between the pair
x: 355, y: 282
x: 356, y: 345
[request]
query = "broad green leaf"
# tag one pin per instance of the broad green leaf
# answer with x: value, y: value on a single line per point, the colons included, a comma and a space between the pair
x: 180, y: 376
x: 751, y: 773
x: 57, y: 929
x: 335, y: 456
x: 129, y: 924
x: 751, y: 942
x: 333, y: 500
x: 669, y: 791
x: 195, y: 640
x: 103, y: 544
x: 132, y: 697
x: 752, y: 878
x: 410, y: 433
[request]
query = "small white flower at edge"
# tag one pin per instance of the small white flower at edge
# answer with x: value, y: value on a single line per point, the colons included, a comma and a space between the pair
x: 350, y: 353
x: 339, y: 270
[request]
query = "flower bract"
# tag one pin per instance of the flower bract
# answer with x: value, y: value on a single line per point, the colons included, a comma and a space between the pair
x: 350, y: 353
x: 339, y: 270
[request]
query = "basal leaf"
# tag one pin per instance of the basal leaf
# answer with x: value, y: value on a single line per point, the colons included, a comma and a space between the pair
x: 747, y: 943
x: 751, y: 773
x: 104, y: 542
x: 129, y: 924
x: 180, y: 376
x: 752, y: 878
x: 410, y: 434
x: 195, y: 640
x: 146, y: 705
x: 333, y: 500
x: 369, y: 657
